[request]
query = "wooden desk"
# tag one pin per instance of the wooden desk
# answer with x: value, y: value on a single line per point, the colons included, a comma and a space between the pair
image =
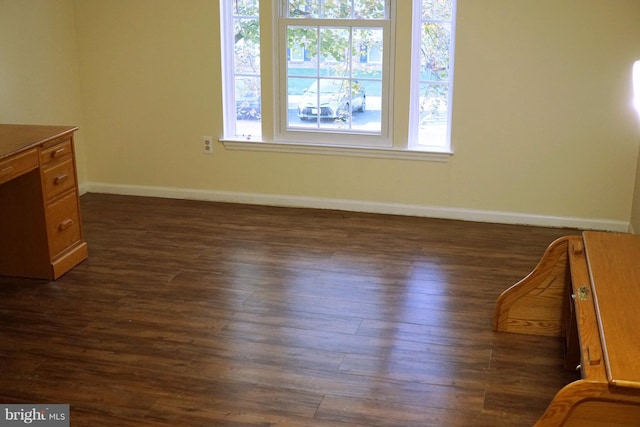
x: 587, y: 290
x: 40, y: 224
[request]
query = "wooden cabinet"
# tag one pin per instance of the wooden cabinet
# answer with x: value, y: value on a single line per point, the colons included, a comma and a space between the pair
x: 40, y: 227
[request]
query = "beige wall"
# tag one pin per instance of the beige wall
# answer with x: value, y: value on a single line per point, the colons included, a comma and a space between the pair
x: 39, y: 78
x: 635, y: 209
x: 543, y: 117
x: 542, y: 122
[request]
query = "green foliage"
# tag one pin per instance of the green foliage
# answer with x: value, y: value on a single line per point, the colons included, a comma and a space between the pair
x: 437, y: 10
x: 436, y: 39
x: 246, y: 7
x: 337, y: 9
x: 331, y: 44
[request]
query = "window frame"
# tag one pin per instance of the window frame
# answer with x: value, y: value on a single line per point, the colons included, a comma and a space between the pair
x: 229, y: 107
x: 286, y: 133
x: 274, y: 88
x: 414, y: 142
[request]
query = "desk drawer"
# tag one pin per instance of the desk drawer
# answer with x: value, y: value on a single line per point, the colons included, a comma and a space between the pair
x: 63, y: 224
x: 58, y: 179
x: 56, y: 153
x: 17, y: 165
x: 591, y: 353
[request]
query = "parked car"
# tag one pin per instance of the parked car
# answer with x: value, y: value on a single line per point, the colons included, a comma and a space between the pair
x: 334, y: 100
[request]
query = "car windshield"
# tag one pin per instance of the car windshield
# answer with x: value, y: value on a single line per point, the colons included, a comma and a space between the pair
x: 328, y: 86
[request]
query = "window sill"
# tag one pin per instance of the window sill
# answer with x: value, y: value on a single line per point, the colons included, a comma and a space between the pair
x: 338, y: 150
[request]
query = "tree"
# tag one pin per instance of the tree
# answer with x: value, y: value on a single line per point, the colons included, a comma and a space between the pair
x: 333, y: 43
x: 434, y: 59
x: 338, y: 48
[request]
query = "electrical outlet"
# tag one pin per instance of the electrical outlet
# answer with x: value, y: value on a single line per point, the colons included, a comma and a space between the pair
x: 207, y: 145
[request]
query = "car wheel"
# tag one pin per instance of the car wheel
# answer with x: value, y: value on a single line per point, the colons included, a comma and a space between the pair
x: 343, y: 113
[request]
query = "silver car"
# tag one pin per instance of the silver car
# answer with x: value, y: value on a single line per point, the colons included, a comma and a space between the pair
x: 334, y: 101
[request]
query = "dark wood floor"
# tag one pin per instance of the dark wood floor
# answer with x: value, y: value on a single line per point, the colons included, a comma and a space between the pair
x: 202, y: 314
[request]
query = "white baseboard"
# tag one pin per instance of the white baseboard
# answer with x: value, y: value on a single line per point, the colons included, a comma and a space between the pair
x: 360, y: 206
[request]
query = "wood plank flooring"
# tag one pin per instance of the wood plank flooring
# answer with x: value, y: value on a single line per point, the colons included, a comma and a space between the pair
x: 204, y: 314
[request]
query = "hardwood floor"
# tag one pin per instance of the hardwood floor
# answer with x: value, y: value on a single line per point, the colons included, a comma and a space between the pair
x: 203, y: 314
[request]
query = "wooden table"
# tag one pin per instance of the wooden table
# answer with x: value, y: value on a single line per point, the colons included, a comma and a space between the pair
x: 40, y: 224
x: 587, y: 290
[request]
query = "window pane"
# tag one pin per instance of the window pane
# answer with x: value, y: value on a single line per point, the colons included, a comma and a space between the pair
x: 368, y: 116
x: 436, y: 39
x: 434, y: 100
x: 430, y: 111
x: 247, y: 46
x: 437, y: 10
x: 302, y: 50
x: 323, y: 50
x: 367, y: 53
x: 247, y: 90
x: 334, y: 51
x: 337, y: 9
x: 370, y: 9
x: 246, y: 7
x: 246, y: 67
x: 333, y: 87
x: 367, y: 72
x: 303, y: 8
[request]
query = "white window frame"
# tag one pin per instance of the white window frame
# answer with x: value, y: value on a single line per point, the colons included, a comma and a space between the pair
x: 230, y: 128
x: 327, y: 136
x: 228, y: 75
x: 274, y: 139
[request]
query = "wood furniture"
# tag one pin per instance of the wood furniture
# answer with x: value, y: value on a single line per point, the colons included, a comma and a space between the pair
x: 587, y: 290
x: 40, y: 224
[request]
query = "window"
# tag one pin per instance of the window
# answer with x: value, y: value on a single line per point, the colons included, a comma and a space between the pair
x: 241, y: 75
x: 432, y: 75
x: 329, y: 78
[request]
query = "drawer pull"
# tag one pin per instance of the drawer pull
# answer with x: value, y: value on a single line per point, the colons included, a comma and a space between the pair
x: 60, y: 179
x: 6, y: 170
x: 59, y: 152
x: 65, y: 224
x: 583, y: 293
